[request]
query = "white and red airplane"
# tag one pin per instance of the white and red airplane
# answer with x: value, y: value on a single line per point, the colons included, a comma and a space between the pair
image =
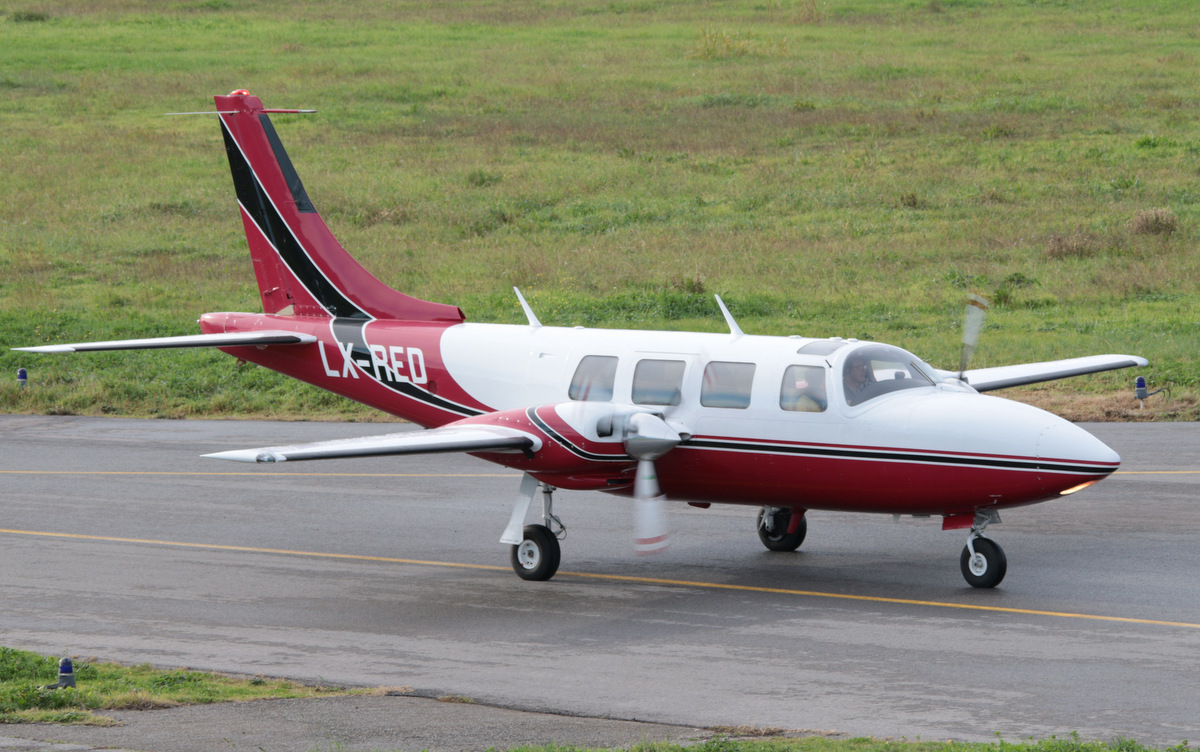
x: 787, y: 424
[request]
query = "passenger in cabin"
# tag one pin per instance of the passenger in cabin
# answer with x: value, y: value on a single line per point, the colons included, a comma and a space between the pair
x: 804, y: 390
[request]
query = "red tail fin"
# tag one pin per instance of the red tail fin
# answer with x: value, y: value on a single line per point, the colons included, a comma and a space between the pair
x: 300, y: 266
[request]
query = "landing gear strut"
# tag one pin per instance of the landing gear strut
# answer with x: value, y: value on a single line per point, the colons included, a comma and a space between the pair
x: 535, y: 551
x: 774, y: 524
x: 983, y: 562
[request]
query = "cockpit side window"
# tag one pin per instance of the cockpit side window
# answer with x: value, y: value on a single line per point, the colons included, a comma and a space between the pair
x: 727, y: 384
x: 658, y: 382
x: 877, y: 370
x: 593, y: 379
x: 803, y: 390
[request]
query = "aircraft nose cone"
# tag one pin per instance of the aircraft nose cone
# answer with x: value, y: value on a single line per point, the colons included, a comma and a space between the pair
x: 1049, y: 456
x: 1063, y: 441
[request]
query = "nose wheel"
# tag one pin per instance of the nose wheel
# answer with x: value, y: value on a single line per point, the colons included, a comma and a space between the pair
x: 983, y: 562
x: 985, y: 566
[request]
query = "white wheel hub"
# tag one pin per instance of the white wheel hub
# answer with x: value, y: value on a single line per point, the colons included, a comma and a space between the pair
x: 978, y: 565
x: 529, y: 554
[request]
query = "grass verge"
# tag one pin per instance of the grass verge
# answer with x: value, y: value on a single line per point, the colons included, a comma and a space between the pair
x: 100, y: 686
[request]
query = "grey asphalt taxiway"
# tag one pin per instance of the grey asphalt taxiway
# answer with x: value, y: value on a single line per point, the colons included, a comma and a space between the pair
x: 117, y: 540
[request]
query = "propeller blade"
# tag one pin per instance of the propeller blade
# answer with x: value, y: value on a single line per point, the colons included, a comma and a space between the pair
x: 973, y: 324
x: 650, y: 529
x: 648, y: 437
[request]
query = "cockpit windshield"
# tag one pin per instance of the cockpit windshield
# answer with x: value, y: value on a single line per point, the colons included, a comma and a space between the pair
x: 875, y: 370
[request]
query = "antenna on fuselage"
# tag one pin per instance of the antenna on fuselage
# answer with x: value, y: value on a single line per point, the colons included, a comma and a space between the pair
x: 734, y: 329
x: 529, y: 314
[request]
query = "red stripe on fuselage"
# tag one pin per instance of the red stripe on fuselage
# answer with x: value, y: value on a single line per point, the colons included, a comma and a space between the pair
x: 941, y: 456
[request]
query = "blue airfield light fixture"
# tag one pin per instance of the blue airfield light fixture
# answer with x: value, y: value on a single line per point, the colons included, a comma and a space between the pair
x: 66, y: 675
x: 1142, y: 392
x: 22, y: 377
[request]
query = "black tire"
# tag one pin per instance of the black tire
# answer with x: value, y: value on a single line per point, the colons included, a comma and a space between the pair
x: 538, y: 555
x: 780, y: 540
x: 989, y: 566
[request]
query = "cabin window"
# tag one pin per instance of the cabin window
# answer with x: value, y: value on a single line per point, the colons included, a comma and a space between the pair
x: 593, y: 379
x: 727, y: 385
x: 658, y: 382
x: 803, y: 389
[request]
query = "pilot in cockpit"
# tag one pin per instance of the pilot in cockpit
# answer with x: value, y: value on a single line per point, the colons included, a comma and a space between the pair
x: 856, y: 376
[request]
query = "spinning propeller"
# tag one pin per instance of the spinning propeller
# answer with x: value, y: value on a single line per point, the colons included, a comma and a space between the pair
x: 973, y: 324
x: 648, y: 437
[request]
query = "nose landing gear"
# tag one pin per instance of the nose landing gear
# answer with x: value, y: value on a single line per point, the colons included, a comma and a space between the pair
x: 982, y: 561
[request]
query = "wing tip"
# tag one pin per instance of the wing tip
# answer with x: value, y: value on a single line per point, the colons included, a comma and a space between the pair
x: 246, y: 455
x: 46, y: 349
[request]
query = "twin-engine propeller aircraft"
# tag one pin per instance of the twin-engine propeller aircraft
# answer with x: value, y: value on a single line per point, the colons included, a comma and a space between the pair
x: 787, y: 424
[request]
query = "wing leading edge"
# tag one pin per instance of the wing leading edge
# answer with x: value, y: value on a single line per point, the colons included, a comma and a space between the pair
x: 1002, y: 377
x: 473, y: 438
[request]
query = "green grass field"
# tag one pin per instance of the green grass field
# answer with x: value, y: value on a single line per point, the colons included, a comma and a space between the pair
x: 849, y: 168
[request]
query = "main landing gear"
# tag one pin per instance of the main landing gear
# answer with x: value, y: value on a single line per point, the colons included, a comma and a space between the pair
x: 535, y: 551
x: 774, y: 524
x: 983, y: 562
x: 538, y: 554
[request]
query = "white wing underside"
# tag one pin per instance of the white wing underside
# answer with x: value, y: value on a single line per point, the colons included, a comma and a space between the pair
x: 1002, y: 377
x: 430, y: 441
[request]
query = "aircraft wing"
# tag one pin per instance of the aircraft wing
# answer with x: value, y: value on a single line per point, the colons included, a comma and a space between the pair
x: 1002, y: 377
x: 473, y: 438
x: 230, y: 339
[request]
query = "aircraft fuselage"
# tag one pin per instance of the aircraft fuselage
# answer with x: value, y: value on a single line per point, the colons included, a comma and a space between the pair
x: 920, y: 446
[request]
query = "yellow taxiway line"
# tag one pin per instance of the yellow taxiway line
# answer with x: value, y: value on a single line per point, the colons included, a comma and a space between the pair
x: 621, y: 578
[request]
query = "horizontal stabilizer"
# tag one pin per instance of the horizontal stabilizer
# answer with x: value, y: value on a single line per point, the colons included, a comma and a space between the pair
x: 230, y: 339
x: 1002, y: 377
x: 430, y: 441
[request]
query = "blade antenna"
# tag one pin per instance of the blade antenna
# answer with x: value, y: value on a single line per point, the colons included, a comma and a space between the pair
x: 529, y: 314
x: 977, y: 307
x: 734, y: 329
